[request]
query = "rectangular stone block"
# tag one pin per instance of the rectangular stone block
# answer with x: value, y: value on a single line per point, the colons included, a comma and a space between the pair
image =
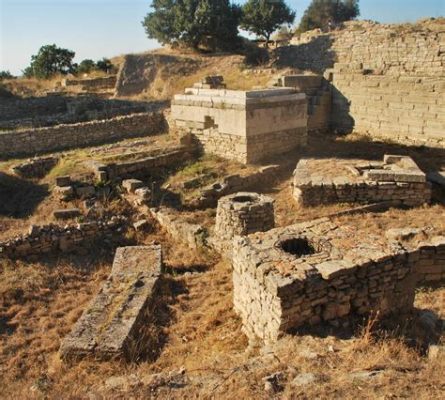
x: 109, y: 327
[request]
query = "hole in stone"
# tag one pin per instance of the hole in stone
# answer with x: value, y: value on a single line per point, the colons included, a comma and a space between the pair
x: 243, y: 199
x: 298, y: 247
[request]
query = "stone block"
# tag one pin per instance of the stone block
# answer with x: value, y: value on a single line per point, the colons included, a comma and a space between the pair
x: 130, y: 185
x: 112, y: 324
x: 63, y: 181
x: 67, y: 213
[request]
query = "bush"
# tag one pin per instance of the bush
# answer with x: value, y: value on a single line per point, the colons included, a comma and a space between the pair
x: 6, y: 75
x: 50, y: 60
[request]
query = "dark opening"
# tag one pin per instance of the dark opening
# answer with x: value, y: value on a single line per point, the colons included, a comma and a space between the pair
x: 242, y: 199
x: 297, y: 247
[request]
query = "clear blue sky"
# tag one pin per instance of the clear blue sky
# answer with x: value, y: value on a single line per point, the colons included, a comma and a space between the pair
x: 105, y: 28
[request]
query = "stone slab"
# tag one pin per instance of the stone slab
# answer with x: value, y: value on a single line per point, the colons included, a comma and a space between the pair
x: 108, y: 326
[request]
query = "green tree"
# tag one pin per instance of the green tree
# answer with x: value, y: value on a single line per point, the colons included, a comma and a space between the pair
x: 320, y: 13
x: 195, y: 23
x: 86, y: 66
x: 6, y: 75
x: 263, y: 17
x: 50, y: 60
x: 104, y: 65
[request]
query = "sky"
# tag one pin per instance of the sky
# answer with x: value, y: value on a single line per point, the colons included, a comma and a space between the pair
x: 106, y: 28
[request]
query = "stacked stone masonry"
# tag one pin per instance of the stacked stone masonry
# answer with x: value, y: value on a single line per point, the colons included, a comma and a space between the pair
x: 388, y: 80
x: 35, y: 167
x: 113, y: 324
x: 51, y: 238
x: 247, y: 126
x: 60, y: 137
x: 325, y: 181
x: 318, y: 272
x: 241, y: 214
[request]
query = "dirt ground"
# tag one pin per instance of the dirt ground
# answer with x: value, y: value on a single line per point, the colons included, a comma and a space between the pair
x: 203, y: 353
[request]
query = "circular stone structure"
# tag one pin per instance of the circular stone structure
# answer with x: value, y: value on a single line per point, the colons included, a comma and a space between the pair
x: 243, y: 213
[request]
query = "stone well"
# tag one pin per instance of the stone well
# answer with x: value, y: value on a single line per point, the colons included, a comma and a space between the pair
x: 243, y: 213
x: 319, y: 272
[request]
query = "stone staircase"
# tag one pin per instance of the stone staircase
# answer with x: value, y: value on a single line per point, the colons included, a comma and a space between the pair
x: 318, y: 93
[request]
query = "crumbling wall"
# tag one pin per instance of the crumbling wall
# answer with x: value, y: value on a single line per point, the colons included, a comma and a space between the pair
x: 60, y: 137
x: 49, y: 238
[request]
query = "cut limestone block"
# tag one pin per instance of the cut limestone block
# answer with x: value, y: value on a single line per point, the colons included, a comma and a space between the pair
x: 110, y: 326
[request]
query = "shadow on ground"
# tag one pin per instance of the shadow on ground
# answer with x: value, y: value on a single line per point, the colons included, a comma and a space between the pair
x: 19, y: 197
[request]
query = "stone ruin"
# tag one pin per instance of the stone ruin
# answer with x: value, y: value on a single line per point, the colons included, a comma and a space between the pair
x: 247, y: 126
x: 111, y: 325
x: 316, y: 272
x: 324, y: 181
x: 241, y: 214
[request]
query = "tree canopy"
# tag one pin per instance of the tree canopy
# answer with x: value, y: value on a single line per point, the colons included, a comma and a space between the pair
x: 196, y: 23
x: 263, y: 17
x: 50, y: 60
x: 6, y: 75
x: 321, y: 12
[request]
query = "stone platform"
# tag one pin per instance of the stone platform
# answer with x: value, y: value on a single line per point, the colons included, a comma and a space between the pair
x: 325, y: 181
x: 318, y: 272
x: 109, y: 327
x: 247, y: 126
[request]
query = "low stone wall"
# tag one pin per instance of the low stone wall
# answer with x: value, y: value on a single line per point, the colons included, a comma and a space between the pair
x: 326, y: 181
x: 194, y: 235
x: 318, y: 272
x: 242, y: 213
x: 80, y: 135
x: 235, y: 183
x: 113, y: 324
x: 105, y: 82
x: 145, y: 165
x: 36, y: 167
x: 49, y: 238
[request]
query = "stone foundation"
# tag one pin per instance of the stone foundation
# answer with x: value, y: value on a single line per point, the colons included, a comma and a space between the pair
x: 326, y: 181
x: 111, y: 326
x: 35, y: 167
x: 241, y: 214
x: 60, y: 137
x: 318, y: 272
x: 247, y: 126
x: 51, y: 238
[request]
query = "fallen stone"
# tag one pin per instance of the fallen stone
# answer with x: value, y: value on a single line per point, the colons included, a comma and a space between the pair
x: 112, y: 324
x: 67, y: 213
x: 303, y: 379
x: 130, y: 185
x: 65, y: 192
x: 85, y: 191
x: 63, y: 181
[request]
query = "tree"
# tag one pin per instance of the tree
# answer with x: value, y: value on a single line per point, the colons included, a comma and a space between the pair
x: 194, y: 23
x: 104, y: 65
x: 6, y: 75
x: 321, y: 12
x: 263, y: 17
x: 50, y: 60
x: 86, y: 66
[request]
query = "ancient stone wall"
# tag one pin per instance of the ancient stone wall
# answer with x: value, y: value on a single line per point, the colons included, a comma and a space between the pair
x: 50, y: 238
x: 35, y: 167
x: 240, y: 214
x: 388, y: 82
x: 107, y: 82
x: 327, y: 181
x: 144, y: 165
x: 318, y: 272
x: 61, y: 137
x: 247, y: 126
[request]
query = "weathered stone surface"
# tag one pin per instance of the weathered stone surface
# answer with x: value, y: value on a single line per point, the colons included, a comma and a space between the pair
x: 108, y: 328
x: 130, y: 185
x: 242, y: 213
x: 35, y: 167
x: 63, y: 181
x: 324, y: 181
x: 243, y: 125
x: 318, y: 272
